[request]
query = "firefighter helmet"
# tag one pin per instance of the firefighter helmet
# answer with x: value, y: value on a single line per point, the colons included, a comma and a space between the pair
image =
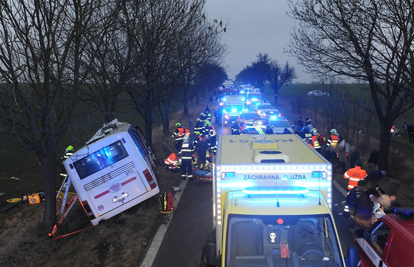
x: 197, y: 133
x: 198, y: 119
x: 333, y: 131
x: 186, y: 139
x: 69, y: 148
x: 208, y: 123
x: 314, y: 131
x: 178, y: 124
x: 202, y: 114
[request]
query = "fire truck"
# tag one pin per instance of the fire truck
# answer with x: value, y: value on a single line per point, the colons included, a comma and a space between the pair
x: 389, y: 242
x: 272, y: 197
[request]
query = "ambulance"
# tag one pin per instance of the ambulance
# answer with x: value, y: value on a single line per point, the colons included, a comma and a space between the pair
x: 272, y: 199
x: 233, y: 107
x: 113, y: 172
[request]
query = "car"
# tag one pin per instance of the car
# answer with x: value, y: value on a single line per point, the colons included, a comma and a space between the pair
x: 317, y: 93
x: 264, y: 107
x: 252, y: 121
x: 280, y: 125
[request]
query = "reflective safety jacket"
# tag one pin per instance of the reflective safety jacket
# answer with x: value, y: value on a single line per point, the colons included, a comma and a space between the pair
x: 354, y: 175
x: 315, y: 141
x: 333, y: 140
x: 393, y: 129
x: 180, y: 132
x: 212, y: 131
x: 235, y: 129
x: 196, y: 141
x: 171, y: 160
x: 187, y: 151
x: 199, y: 127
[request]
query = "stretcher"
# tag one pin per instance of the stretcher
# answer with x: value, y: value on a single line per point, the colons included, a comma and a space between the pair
x: 201, y: 176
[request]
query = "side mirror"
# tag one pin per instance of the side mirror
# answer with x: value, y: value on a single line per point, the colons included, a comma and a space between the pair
x: 209, y: 254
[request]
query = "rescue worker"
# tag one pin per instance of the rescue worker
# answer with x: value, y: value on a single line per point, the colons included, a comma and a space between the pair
x: 197, y: 139
x: 333, y: 140
x: 355, y: 174
x: 269, y: 129
x: 212, y: 137
x: 68, y: 153
x: 171, y: 162
x: 186, y: 154
x: 199, y: 126
x: 242, y: 122
x: 202, y: 152
x: 306, y: 131
x: 315, y: 140
x: 235, y: 129
x: 218, y: 114
x: 179, y: 134
x: 395, y: 132
x: 350, y: 203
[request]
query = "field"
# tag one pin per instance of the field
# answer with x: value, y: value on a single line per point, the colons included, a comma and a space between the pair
x: 122, y: 240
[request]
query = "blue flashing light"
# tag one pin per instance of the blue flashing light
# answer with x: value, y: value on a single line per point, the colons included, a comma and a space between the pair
x: 224, y: 99
x: 224, y: 111
x: 317, y: 174
x: 234, y: 110
x: 229, y: 175
x: 273, y: 118
x: 243, y: 98
x: 242, y: 92
x: 255, y: 99
x: 275, y: 190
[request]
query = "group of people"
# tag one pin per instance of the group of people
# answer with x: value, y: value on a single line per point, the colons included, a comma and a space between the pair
x: 204, y: 142
x: 365, y: 201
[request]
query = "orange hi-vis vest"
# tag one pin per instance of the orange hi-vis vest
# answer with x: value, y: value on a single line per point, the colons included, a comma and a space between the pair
x: 354, y: 175
x: 315, y: 141
x: 180, y: 132
x: 334, y: 140
x: 171, y: 160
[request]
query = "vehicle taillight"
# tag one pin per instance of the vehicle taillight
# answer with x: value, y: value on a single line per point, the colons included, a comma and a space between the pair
x: 149, y: 178
x: 88, y: 210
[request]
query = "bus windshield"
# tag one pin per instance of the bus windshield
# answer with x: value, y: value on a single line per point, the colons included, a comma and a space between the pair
x: 273, y: 241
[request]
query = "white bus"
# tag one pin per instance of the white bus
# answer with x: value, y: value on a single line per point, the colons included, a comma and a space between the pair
x: 113, y: 172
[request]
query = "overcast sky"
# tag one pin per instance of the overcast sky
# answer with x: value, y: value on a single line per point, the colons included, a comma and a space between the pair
x: 254, y: 26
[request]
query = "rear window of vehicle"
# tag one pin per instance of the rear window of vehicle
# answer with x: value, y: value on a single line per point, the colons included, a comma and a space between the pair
x: 276, y: 123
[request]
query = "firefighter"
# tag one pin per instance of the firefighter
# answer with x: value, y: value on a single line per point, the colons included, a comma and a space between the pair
x: 242, y: 122
x: 171, y: 162
x: 199, y: 127
x: 202, y: 153
x: 197, y: 139
x: 207, y: 114
x: 186, y: 154
x: 212, y: 137
x: 333, y: 140
x: 68, y: 153
x: 179, y: 134
x: 315, y: 140
x: 235, y: 129
x: 269, y: 129
x: 355, y: 174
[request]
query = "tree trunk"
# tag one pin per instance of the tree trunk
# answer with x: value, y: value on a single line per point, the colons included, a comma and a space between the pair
x: 149, y: 119
x: 49, y: 175
x: 276, y: 91
x: 185, y: 100
x: 385, y: 142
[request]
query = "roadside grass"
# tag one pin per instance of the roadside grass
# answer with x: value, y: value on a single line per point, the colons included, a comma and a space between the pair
x: 120, y: 241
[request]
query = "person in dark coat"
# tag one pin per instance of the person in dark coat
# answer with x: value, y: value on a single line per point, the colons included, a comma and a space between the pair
x: 269, y: 129
x: 374, y: 177
x: 202, y: 152
x: 364, y: 216
x: 353, y: 156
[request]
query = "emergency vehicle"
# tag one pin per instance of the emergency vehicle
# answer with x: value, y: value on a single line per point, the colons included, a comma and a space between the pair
x: 233, y: 107
x: 113, y: 172
x: 271, y: 205
x: 254, y: 97
x: 227, y: 89
x: 389, y: 242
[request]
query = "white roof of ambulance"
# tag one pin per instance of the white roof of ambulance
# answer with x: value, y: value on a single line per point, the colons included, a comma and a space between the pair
x: 237, y: 149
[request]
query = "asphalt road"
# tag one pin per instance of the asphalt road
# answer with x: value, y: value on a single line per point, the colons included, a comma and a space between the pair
x: 192, y: 224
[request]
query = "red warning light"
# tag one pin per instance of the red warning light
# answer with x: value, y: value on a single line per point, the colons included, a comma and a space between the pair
x: 280, y: 221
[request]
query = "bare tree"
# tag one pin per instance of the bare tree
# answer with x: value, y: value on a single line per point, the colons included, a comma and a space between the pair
x: 364, y: 40
x: 279, y: 76
x: 41, y: 72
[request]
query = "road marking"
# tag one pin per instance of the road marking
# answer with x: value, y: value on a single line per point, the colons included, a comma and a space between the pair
x: 159, y: 236
x: 340, y: 188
